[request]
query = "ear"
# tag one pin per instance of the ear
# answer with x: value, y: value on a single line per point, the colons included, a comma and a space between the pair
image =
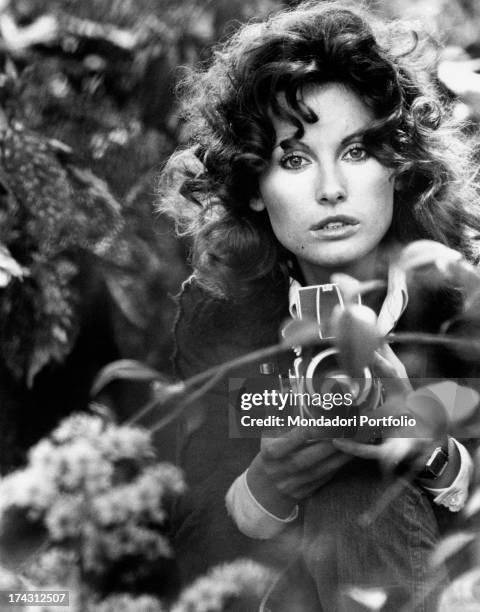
x: 257, y: 204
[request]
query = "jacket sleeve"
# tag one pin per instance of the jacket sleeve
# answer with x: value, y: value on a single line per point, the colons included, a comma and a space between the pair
x: 206, y: 334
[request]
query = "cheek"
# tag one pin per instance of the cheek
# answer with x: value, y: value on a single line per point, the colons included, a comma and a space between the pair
x: 380, y: 194
x: 284, y: 206
x: 283, y: 226
x: 286, y: 227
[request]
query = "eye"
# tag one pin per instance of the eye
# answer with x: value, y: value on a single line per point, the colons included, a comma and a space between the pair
x: 356, y: 153
x: 294, y: 161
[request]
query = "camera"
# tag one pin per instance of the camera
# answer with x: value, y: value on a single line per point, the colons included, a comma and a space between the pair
x: 317, y: 371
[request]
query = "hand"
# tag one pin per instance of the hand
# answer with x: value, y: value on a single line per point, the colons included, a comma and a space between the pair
x: 397, y: 448
x: 289, y: 468
x: 390, y: 453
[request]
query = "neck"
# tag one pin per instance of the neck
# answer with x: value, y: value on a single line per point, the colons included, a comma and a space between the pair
x: 367, y: 268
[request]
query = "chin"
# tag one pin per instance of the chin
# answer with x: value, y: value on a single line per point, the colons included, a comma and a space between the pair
x: 331, y: 265
x: 335, y: 263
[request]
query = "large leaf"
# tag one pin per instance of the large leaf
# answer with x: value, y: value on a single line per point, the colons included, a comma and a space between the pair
x: 450, y: 264
x: 356, y: 336
x: 444, y: 405
x: 421, y: 253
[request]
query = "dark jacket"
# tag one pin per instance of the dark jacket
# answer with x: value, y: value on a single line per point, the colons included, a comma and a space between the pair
x: 210, y: 331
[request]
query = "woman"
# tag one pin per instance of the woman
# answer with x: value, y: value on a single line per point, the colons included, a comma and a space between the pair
x: 319, y: 145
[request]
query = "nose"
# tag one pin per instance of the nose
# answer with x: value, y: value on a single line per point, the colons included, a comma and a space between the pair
x: 331, y: 187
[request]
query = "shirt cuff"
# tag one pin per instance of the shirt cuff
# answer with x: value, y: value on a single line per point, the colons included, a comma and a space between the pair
x: 251, y: 518
x: 455, y: 496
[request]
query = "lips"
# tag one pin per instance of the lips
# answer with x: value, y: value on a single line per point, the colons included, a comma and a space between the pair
x: 335, y: 222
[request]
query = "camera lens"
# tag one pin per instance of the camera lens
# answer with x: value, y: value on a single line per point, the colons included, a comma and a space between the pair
x: 324, y: 373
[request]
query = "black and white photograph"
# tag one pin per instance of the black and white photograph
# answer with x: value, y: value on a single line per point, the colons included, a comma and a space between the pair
x: 240, y: 305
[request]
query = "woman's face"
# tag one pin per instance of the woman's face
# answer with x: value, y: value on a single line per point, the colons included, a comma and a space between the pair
x: 329, y: 201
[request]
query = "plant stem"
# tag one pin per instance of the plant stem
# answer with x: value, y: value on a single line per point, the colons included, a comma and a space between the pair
x: 214, y: 374
x: 434, y: 339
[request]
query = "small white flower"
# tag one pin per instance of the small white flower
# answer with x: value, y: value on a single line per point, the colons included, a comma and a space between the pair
x: 65, y: 518
x: 78, y: 425
x: 126, y: 443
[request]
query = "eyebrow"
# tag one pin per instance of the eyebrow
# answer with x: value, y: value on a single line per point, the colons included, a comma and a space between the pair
x: 288, y: 143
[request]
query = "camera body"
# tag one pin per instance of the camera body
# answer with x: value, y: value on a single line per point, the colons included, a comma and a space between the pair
x: 317, y: 370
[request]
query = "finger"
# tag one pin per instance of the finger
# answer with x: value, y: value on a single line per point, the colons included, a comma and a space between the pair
x: 304, y: 485
x: 357, y: 449
x: 281, y: 446
x: 309, y: 457
x: 299, y: 461
x: 390, y: 453
x: 327, y: 468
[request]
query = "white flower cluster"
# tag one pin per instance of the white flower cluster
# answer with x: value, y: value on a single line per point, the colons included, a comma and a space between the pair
x: 78, y: 426
x: 129, y: 603
x: 241, y: 581
x: 54, y: 568
x: 97, y: 489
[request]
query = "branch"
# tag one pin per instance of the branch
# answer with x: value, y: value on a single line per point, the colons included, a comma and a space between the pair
x: 436, y: 340
x: 209, y: 378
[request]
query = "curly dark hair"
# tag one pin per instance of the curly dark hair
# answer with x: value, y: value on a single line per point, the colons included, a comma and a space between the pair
x: 262, y: 70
